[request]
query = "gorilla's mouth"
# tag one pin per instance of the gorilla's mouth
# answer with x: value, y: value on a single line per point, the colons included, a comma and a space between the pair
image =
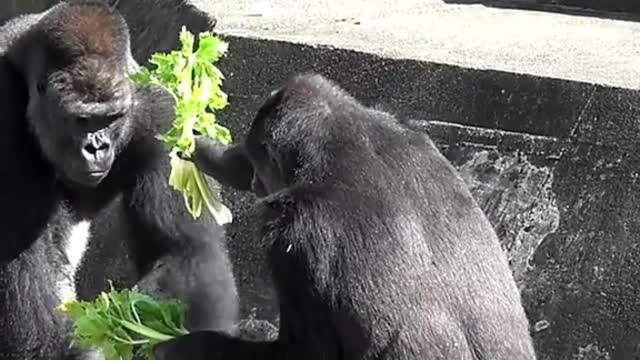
x: 97, y: 174
x: 91, y: 172
x: 88, y: 178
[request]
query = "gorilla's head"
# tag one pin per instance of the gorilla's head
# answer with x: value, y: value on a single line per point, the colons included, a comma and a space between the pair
x: 75, y: 62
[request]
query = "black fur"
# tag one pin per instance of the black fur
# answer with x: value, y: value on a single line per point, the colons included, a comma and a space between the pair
x: 175, y: 255
x: 378, y: 249
x: 229, y: 165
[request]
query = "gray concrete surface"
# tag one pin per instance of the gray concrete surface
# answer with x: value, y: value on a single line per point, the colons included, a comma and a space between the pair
x: 552, y: 161
x: 473, y: 36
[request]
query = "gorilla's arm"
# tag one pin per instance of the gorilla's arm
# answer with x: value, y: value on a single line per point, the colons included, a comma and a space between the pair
x: 301, y: 335
x: 192, y: 264
x: 227, y: 164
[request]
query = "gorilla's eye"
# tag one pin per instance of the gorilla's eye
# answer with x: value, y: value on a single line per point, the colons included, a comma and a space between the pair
x: 113, y: 118
x: 41, y: 86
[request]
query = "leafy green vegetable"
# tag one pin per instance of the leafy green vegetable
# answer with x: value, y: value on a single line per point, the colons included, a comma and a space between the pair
x: 118, y: 321
x: 195, y: 83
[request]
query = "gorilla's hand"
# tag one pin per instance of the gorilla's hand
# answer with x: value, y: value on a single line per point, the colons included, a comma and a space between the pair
x: 208, y: 156
x: 199, y: 345
x: 227, y: 164
x: 206, y: 149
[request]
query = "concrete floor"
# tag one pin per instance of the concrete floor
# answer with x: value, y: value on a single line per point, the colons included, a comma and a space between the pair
x: 544, y: 44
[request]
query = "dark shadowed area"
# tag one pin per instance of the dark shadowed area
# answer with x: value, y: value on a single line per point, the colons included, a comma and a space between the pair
x: 554, y: 163
x: 615, y: 9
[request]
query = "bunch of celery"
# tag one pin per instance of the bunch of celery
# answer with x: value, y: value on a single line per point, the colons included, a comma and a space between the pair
x: 118, y: 321
x: 195, y: 84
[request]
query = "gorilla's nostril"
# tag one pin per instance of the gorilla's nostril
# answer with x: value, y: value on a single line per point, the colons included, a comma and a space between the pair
x: 95, y: 145
x: 90, y: 149
x: 96, y: 151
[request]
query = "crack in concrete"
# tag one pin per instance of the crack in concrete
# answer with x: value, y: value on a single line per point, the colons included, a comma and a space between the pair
x: 425, y: 125
x: 584, y: 109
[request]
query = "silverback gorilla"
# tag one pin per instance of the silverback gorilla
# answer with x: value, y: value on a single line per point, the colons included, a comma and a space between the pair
x: 378, y: 251
x: 77, y: 135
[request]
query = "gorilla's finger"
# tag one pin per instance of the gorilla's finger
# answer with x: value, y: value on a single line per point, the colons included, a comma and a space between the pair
x: 205, y: 148
x: 203, y: 141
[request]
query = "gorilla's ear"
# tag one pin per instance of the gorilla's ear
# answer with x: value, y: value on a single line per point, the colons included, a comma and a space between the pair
x: 256, y: 132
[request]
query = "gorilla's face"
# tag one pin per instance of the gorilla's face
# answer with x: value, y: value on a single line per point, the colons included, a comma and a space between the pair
x: 80, y: 132
x: 268, y: 174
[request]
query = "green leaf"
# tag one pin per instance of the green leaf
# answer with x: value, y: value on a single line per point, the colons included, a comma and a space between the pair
x: 195, y: 84
x: 210, y: 48
x: 118, y: 322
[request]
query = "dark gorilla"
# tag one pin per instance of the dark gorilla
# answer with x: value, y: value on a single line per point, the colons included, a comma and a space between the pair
x: 378, y: 251
x: 76, y: 136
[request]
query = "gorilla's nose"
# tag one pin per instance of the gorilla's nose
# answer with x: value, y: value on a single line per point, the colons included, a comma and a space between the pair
x: 96, y: 149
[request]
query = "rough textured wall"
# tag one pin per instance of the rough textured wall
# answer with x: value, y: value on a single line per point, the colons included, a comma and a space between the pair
x: 553, y: 163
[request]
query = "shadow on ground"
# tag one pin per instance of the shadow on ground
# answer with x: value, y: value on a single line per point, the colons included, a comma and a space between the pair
x: 610, y: 9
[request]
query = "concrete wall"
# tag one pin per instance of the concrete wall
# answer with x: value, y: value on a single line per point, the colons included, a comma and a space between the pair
x: 553, y: 163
